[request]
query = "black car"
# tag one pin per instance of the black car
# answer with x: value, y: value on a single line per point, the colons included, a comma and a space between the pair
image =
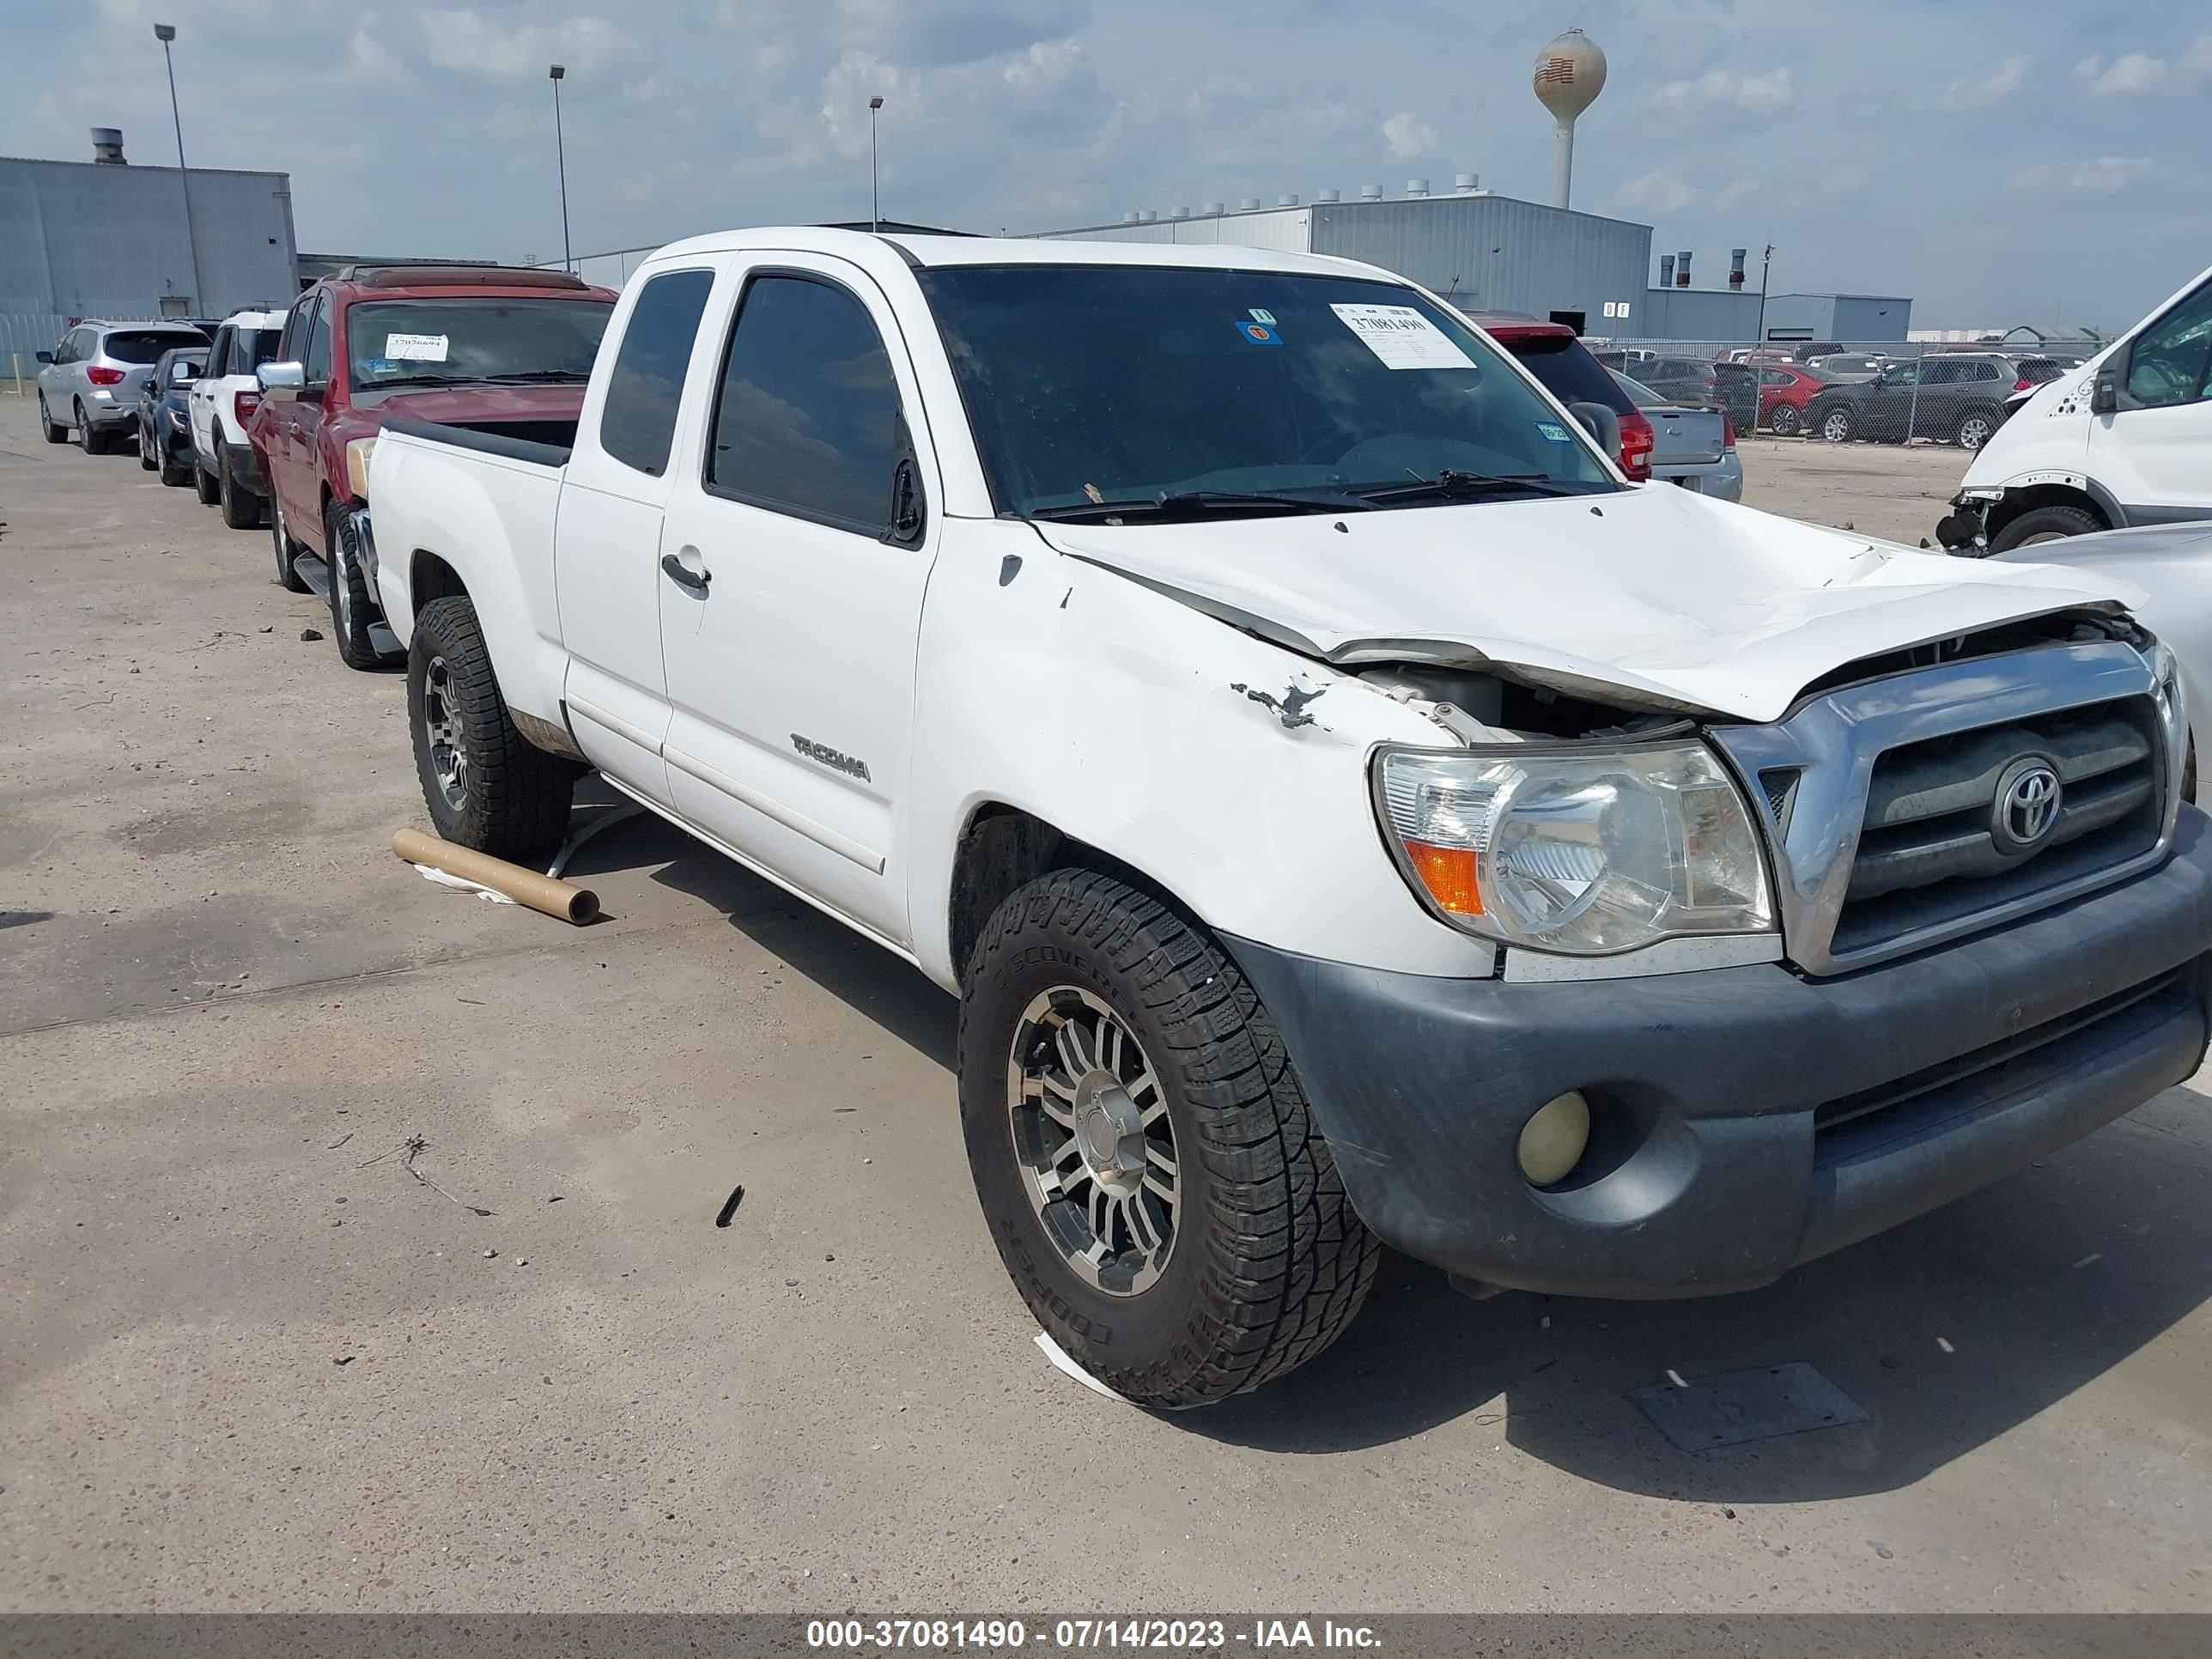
x: 1698, y: 383
x: 165, y: 430
x: 1955, y: 396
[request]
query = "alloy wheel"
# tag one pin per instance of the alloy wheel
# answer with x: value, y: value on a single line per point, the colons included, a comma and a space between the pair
x: 442, y: 730
x: 1092, y: 1134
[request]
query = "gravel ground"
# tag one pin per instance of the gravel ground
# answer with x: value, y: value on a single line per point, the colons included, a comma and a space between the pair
x: 252, y: 1363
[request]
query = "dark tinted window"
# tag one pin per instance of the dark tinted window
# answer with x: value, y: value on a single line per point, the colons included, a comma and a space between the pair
x: 807, y: 418
x: 219, y: 354
x: 253, y: 347
x: 1570, y: 373
x: 294, y: 339
x: 315, y: 354
x: 146, y: 347
x: 638, y: 422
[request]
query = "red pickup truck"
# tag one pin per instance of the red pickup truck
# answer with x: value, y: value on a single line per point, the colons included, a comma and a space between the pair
x: 501, y: 351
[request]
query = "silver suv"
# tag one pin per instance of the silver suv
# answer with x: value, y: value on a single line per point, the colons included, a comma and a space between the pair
x: 89, y: 384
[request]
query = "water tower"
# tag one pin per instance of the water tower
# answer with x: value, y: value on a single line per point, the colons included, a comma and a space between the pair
x: 1570, y: 75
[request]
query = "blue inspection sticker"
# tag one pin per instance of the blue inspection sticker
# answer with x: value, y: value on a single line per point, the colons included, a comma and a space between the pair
x: 1257, y: 333
x: 1552, y: 430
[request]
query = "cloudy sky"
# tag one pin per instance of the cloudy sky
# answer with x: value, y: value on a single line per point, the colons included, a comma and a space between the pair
x: 2001, y: 161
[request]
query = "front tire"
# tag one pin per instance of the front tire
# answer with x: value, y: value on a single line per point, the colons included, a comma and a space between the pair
x: 350, y: 607
x: 486, y: 785
x: 1977, y: 426
x: 1785, y: 423
x: 241, y: 508
x: 176, y: 470
x: 56, y: 432
x: 2045, y: 524
x: 1144, y: 1158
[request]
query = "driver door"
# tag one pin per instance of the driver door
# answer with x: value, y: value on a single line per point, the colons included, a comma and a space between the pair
x: 2154, y: 451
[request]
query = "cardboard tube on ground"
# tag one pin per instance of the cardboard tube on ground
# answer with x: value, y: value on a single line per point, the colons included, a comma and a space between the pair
x: 564, y: 899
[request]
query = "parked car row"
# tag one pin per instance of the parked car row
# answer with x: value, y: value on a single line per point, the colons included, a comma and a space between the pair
x: 272, y: 415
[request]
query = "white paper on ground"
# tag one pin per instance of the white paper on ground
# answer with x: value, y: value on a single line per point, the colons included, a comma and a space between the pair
x: 1402, y: 337
x: 1058, y: 1355
x: 447, y: 878
x: 416, y: 347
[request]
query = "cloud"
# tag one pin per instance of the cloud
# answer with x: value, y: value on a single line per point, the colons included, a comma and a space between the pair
x: 467, y: 43
x: 1982, y: 91
x: 1408, y: 137
x: 2134, y: 73
x: 1719, y: 92
x: 2102, y: 175
x: 1658, y: 191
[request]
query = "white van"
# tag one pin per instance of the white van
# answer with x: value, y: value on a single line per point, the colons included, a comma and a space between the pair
x: 2124, y: 440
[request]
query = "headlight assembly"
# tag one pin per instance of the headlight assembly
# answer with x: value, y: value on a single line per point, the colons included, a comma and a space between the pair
x: 1586, y: 851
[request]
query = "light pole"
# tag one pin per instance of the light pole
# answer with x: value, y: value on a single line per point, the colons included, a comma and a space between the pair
x: 556, y: 75
x: 165, y: 33
x: 875, y: 196
x: 1765, y: 260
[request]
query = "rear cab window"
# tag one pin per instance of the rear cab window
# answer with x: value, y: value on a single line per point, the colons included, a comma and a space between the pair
x: 637, y: 421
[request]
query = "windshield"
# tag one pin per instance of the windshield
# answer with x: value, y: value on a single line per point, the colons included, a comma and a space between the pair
x: 1092, y: 386
x: 450, y: 342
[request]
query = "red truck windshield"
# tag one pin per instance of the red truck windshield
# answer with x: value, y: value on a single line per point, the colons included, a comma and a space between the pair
x: 470, y: 341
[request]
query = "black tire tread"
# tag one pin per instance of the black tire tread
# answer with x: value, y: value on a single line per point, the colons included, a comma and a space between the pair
x: 519, y: 795
x: 1299, y: 1261
x: 356, y: 649
x: 2080, y: 519
x: 241, y: 508
x: 205, y: 485
x: 55, y: 432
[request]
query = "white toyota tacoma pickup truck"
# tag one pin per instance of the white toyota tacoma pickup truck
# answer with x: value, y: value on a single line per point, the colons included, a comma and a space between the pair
x: 1348, y: 812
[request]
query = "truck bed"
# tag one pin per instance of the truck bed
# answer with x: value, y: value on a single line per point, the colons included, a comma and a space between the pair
x: 541, y: 443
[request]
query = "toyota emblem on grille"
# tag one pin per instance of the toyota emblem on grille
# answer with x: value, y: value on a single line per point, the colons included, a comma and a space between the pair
x: 2027, y: 807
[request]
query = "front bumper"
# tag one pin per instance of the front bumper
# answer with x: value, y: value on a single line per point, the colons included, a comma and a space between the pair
x: 1965, y: 529
x: 1745, y: 1120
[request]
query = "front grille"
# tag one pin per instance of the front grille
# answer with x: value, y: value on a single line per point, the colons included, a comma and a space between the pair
x: 1928, y: 854
x: 1975, y: 1082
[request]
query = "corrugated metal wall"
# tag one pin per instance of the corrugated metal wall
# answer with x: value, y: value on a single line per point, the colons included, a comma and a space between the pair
x: 1282, y: 230
x: 1688, y: 314
x: 1495, y: 253
x: 1871, y: 317
x: 77, y: 240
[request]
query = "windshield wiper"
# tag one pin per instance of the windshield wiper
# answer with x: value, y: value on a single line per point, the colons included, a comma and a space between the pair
x: 532, y: 377
x: 1173, y: 501
x: 1449, y: 484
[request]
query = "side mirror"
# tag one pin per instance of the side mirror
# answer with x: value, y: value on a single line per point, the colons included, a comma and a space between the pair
x: 1601, y: 423
x: 44, y: 356
x: 2105, y: 395
x: 281, y: 383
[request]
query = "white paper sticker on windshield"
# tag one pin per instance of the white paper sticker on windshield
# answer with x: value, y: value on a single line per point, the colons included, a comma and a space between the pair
x: 416, y: 347
x: 1402, y: 337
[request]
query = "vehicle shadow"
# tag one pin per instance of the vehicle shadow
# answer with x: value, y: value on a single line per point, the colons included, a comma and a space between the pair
x: 1948, y: 1331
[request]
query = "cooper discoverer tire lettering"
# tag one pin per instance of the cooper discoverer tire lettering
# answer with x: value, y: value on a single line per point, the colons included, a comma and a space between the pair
x: 1144, y: 1156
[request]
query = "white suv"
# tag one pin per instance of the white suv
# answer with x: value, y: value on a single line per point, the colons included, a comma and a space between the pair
x: 221, y: 402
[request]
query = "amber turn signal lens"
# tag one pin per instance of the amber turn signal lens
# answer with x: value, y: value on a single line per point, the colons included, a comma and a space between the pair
x: 1449, y: 874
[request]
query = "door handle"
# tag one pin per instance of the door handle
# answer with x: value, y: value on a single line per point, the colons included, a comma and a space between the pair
x: 683, y: 576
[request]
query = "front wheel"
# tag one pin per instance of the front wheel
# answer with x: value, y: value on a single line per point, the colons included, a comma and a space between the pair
x: 1144, y: 1158
x: 486, y: 785
x: 55, y: 431
x: 288, y: 573
x: 241, y: 508
x: 2045, y: 524
x: 350, y: 609
x: 1785, y: 423
x: 1977, y: 426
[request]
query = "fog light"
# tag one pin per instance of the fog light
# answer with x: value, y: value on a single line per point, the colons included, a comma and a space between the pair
x: 1552, y: 1140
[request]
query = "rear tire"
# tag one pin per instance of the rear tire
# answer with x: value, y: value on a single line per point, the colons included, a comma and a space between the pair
x: 1786, y: 421
x: 486, y: 785
x: 2045, y: 524
x: 1836, y: 425
x: 351, y: 605
x: 85, y: 440
x: 56, y: 432
x: 204, y: 484
x: 287, y: 575
x: 1264, y: 1262
x: 241, y: 508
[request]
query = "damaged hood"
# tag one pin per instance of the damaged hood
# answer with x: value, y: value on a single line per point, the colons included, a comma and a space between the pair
x: 1658, y: 593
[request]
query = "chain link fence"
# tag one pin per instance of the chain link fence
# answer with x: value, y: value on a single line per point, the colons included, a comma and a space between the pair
x: 1847, y: 390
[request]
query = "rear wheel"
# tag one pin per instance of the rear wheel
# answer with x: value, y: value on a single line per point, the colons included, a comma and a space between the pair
x: 486, y: 785
x: 2045, y: 524
x: 203, y: 482
x: 288, y: 575
x: 1144, y: 1156
x: 1786, y: 421
x: 1836, y: 425
x: 350, y: 607
x: 1977, y: 426
x: 56, y: 432
x: 85, y: 439
x: 241, y: 508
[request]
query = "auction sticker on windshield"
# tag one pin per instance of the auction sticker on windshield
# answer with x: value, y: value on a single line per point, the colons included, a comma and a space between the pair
x: 1401, y: 337
x: 416, y: 347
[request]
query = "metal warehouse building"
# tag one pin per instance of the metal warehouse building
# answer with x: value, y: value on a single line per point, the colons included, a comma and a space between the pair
x: 104, y: 239
x: 1485, y: 252
x: 1481, y: 251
